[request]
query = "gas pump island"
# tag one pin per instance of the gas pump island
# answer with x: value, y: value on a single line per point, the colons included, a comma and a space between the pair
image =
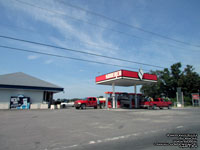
x: 125, y: 78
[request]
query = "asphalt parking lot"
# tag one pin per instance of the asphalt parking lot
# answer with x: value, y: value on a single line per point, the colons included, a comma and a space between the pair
x: 95, y: 129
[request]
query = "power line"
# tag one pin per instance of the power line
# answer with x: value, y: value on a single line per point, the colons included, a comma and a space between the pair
x: 97, y: 25
x: 60, y: 56
x: 126, y: 24
x: 33, y: 31
x: 78, y: 51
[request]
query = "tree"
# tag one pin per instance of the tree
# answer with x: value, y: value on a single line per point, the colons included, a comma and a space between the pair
x: 190, y: 81
x: 169, y: 80
x: 152, y: 90
x: 176, y: 76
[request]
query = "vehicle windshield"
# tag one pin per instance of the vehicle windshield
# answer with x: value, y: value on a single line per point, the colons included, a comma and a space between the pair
x: 85, y: 98
x: 147, y: 99
x: 64, y: 101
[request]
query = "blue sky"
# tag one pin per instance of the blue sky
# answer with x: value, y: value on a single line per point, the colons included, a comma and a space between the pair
x: 176, y: 19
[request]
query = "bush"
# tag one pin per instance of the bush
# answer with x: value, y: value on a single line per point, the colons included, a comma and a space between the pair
x: 187, y: 101
x: 173, y: 100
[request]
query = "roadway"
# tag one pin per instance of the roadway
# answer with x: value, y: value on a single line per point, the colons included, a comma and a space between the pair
x: 72, y: 129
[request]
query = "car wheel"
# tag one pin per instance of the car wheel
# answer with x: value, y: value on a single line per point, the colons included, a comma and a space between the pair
x: 154, y: 107
x: 101, y: 106
x: 83, y: 106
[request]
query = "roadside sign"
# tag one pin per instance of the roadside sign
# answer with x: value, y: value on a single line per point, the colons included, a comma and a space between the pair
x: 195, y: 96
x: 140, y: 74
x: 195, y: 99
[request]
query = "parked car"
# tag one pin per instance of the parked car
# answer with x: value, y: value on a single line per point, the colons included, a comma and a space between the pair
x: 66, y: 103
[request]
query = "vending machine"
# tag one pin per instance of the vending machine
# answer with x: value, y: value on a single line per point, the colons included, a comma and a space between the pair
x: 19, y: 102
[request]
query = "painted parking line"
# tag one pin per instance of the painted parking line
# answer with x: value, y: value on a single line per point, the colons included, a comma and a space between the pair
x: 179, y: 127
x: 112, y: 139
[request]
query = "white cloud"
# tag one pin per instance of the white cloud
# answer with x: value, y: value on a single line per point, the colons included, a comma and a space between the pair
x: 67, y: 28
x: 32, y: 57
x: 49, y: 61
x: 162, y: 54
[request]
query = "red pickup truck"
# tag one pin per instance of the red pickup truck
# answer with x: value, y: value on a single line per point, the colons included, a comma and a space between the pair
x: 89, y: 102
x: 157, y: 102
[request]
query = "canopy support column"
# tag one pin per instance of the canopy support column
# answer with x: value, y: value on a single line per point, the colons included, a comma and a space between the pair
x: 130, y: 101
x: 113, y: 95
x: 106, y: 101
x: 136, y: 101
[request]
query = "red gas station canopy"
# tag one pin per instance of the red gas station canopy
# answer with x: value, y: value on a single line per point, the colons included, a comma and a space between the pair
x: 126, y: 78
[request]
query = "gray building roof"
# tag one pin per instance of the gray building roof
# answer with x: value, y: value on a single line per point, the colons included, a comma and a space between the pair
x: 25, y: 81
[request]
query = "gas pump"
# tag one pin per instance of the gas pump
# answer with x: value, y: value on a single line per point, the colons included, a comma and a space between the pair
x: 110, y: 99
